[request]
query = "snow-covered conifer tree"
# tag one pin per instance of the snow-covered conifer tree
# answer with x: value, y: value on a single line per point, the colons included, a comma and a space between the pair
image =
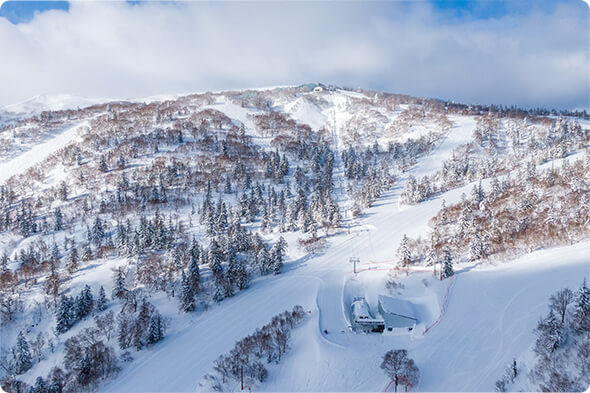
x: 156, y: 328
x: 405, y: 256
x: 65, y: 316
x: 58, y: 220
x: 187, y: 297
x: 581, y: 315
x: 101, y: 300
x: 72, y: 261
x: 447, y: 268
x: 119, y: 290
x: 23, y: 361
x: 277, y: 255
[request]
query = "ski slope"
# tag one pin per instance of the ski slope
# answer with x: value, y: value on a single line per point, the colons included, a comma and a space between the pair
x: 489, y: 317
x: 460, y: 133
x: 179, y: 363
x: 40, y: 152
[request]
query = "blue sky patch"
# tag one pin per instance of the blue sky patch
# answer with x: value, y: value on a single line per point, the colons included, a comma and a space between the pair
x: 24, y: 11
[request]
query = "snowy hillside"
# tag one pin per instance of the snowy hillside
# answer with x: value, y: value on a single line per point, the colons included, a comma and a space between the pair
x: 47, y: 102
x: 142, y: 239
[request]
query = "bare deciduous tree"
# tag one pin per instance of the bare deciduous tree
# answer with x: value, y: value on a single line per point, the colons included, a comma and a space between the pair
x: 560, y: 301
x: 400, y: 368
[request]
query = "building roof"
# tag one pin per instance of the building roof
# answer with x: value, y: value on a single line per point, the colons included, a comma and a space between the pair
x: 360, y: 309
x: 397, y: 306
x: 362, y: 313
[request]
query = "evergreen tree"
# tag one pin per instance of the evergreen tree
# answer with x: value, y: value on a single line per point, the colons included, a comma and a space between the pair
x: 478, y: 246
x: 227, y: 188
x: 215, y: 257
x: 221, y: 224
x: 155, y: 194
x: 283, y: 168
x: 195, y: 250
x: 211, y: 222
x: 122, y: 237
x: 581, y: 317
x: 447, y: 270
x: 58, y: 220
x: 243, y: 206
x: 119, y: 290
x: 277, y: 255
x: 263, y: 261
x: 431, y: 258
x: 55, y: 252
x: 218, y: 295
x: 160, y: 234
x: 193, y: 267
x: 101, y: 301
x: 291, y: 219
x: 102, y: 166
x: 65, y: 317
x: 187, y: 297
x: 72, y: 262
x: 265, y: 225
x: 87, y: 252
x: 124, y: 330
x: 141, y: 324
x: 224, y: 281
x: 84, y: 303
x: 477, y: 193
x: 206, y: 207
x: 98, y: 232
x: 239, y: 237
x: 232, y: 262
x: 405, y: 257
x: 23, y: 361
x: 334, y: 217
x: 241, y: 275
x: 155, y: 330
x: 465, y: 221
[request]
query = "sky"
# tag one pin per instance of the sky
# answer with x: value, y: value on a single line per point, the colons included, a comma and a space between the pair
x: 520, y: 52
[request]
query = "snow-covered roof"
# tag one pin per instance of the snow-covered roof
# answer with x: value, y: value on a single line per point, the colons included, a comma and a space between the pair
x: 360, y: 309
x: 362, y: 313
x: 396, y: 306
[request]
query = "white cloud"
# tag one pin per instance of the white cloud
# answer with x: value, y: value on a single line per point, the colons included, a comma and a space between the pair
x: 120, y: 50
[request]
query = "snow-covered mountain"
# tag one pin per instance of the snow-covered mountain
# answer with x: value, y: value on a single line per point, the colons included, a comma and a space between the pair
x: 49, y: 102
x: 203, y: 216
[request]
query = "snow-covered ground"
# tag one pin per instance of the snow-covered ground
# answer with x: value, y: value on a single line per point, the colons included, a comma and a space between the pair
x: 460, y: 133
x: 489, y: 317
x: 51, y: 102
x: 490, y: 310
x: 40, y: 152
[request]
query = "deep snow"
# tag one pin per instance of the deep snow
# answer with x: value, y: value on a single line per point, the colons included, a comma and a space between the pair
x: 489, y: 318
x: 40, y: 152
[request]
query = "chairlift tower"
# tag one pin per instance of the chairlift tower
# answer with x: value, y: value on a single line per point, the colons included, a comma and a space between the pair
x: 354, y: 261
